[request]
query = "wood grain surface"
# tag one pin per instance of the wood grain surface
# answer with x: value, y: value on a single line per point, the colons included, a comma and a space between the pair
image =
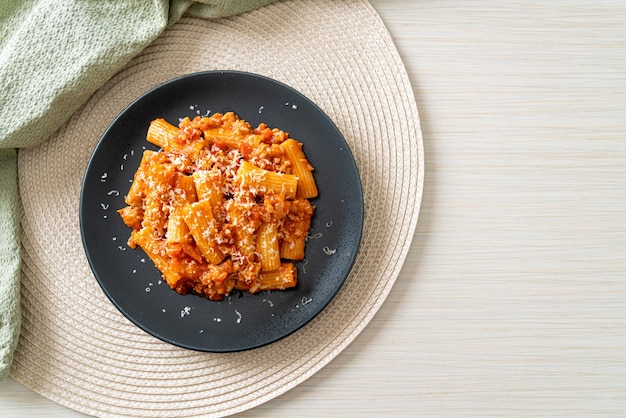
x: 512, y: 300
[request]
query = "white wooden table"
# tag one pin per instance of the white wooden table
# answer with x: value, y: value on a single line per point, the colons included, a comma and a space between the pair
x: 512, y: 301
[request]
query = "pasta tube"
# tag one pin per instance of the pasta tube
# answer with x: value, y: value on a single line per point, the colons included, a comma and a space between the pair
x: 167, y: 136
x: 285, y: 277
x: 264, y: 181
x: 202, y: 226
x: 267, y: 246
x: 301, y: 168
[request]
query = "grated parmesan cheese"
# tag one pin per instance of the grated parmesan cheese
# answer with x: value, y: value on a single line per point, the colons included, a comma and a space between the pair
x: 185, y: 311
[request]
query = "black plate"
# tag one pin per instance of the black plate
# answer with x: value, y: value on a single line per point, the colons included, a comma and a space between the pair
x: 242, y: 321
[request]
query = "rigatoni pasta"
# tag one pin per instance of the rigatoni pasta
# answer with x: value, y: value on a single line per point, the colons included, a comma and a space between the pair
x: 222, y: 205
x: 301, y: 168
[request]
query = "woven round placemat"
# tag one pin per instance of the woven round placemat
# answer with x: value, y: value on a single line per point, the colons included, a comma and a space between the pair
x: 78, y: 350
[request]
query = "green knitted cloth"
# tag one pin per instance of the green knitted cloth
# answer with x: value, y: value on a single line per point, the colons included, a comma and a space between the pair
x: 54, y: 54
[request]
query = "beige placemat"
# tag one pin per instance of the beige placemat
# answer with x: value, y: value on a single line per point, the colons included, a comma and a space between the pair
x: 78, y: 350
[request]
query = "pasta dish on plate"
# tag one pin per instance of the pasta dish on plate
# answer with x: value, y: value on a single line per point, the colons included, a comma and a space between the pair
x: 221, y: 205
